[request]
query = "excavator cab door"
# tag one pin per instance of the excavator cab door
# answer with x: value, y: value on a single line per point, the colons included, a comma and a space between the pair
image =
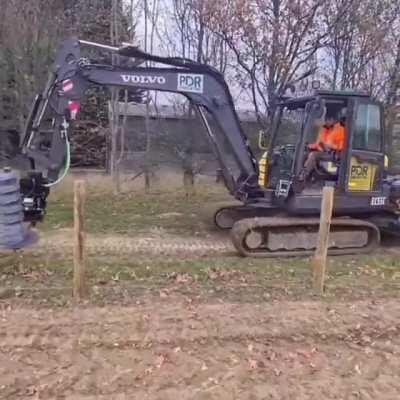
x: 365, y: 156
x: 315, y: 112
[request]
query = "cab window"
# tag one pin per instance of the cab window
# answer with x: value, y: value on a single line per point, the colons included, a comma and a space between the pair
x: 367, y: 128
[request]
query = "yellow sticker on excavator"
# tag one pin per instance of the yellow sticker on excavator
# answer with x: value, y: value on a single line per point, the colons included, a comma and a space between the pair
x: 362, y: 175
x: 263, y: 170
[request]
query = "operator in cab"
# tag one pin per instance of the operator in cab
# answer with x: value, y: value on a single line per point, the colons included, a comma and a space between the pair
x: 329, y: 144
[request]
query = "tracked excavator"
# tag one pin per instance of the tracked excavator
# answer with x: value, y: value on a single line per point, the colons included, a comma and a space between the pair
x: 276, y: 216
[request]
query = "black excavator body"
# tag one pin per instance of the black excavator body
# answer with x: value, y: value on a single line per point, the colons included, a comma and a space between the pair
x: 277, y: 217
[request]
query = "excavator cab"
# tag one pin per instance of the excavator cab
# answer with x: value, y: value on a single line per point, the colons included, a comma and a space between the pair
x: 356, y: 170
x: 367, y: 201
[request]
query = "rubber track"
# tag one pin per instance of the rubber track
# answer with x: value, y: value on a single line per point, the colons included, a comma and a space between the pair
x: 243, y: 226
x: 241, y: 212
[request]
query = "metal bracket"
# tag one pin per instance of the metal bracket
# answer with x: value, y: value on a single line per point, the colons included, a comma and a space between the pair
x: 282, y: 188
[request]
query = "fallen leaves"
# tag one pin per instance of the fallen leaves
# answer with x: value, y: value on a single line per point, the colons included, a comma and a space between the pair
x: 234, y: 359
x: 223, y: 274
x: 357, y: 369
x: 146, y: 317
x: 183, y: 278
x: 307, y: 354
x: 204, y: 367
x: 36, y: 275
x: 180, y: 277
x: 255, y: 364
x: 160, y: 360
x: 270, y: 355
x: 164, y: 293
x: 212, y: 273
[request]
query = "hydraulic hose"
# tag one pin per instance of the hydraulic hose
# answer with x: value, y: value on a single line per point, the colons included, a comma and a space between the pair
x: 66, y: 167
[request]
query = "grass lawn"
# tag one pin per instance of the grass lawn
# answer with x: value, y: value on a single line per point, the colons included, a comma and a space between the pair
x: 219, y: 276
x: 138, y: 212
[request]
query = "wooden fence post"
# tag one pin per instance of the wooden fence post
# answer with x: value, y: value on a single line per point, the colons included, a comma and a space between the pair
x: 319, y: 260
x: 80, y: 286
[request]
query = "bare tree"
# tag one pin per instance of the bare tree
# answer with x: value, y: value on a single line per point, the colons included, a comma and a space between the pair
x: 122, y: 128
x: 273, y: 42
x: 148, y: 161
x: 187, y: 35
x: 114, y: 103
x: 122, y: 28
x: 196, y: 40
x: 28, y: 33
x: 357, y: 40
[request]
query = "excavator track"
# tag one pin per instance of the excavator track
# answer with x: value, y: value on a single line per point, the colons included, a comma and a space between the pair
x: 287, y: 236
x: 226, y: 216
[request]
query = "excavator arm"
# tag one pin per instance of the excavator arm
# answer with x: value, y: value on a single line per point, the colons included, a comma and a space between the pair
x: 45, y: 145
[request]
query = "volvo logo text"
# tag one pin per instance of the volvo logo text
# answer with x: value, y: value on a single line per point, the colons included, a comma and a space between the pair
x: 144, y: 79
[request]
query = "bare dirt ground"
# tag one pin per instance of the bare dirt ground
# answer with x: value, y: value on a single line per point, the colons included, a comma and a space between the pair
x: 152, y: 243
x: 178, y: 348
x: 157, y: 242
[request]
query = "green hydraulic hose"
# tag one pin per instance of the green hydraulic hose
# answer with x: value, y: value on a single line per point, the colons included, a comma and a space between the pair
x: 66, y: 167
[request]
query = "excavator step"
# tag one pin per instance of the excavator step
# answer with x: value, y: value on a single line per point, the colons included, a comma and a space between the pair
x: 293, y: 236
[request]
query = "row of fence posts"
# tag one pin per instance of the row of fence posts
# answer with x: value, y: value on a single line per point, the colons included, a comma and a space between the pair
x: 80, y: 285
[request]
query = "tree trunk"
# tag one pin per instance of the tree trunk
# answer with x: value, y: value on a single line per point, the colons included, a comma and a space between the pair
x: 188, y: 183
x: 147, y: 160
x: 272, y: 65
x: 114, y: 128
x: 114, y: 122
x: 188, y: 173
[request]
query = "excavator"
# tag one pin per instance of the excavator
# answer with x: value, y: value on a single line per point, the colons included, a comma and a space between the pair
x: 276, y: 216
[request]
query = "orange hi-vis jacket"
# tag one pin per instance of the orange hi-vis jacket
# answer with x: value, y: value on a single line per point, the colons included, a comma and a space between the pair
x: 332, y: 137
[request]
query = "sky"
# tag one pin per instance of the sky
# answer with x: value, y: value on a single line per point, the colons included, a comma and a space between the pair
x: 160, y: 34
